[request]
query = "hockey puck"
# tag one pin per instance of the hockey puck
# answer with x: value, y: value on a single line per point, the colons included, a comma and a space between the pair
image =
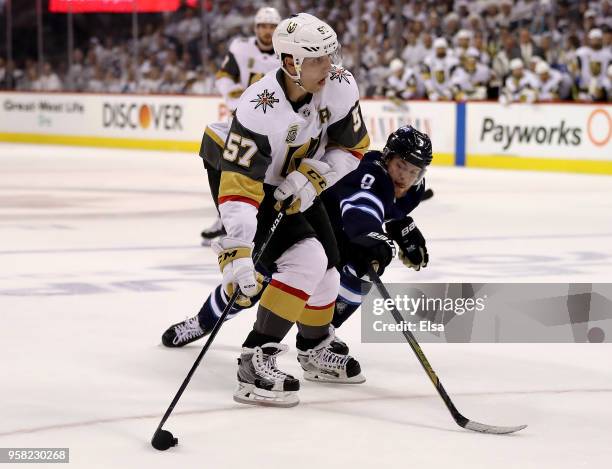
x: 163, y: 439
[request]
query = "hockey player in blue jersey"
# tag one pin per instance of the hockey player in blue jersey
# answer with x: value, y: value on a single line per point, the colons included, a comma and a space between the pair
x: 369, y: 211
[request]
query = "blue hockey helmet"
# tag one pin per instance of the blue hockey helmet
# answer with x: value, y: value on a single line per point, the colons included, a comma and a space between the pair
x: 410, y: 145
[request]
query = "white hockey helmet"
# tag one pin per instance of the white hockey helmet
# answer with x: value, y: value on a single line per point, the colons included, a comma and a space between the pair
x: 396, y: 65
x: 542, y: 67
x: 440, y: 43
x: 303, y: 36
x: 516, y: 63
x: 267, y: 15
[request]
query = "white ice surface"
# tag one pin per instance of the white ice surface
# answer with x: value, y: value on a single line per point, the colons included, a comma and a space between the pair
x: 99, y: 253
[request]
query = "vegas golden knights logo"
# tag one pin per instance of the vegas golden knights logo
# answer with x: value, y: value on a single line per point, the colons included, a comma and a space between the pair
x: 324, y: 115
x: 292, y: 26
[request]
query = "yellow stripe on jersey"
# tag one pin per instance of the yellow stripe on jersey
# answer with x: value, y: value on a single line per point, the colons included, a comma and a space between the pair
x: 236, y: 93
x: 362, y: 146
x: 238, y: 187
x: 317, y: 315
x: 283, y: 300
x: 223, y: 74
x: 214, y: 137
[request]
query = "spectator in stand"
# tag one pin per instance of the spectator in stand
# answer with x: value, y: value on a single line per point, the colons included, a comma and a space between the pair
x: 30, y: 80
x: 128, y: 82
x: 11, y: 76
x: 112, y: 83
x: 412, y: 53
x: 550, y: 54
x: 151, y: 81
x: 376, y: 76
x: 480, y: 45
x: 97, y: 83
x: 167, y: 85
x: 75, y: 78
x: 528, y: 46
x: 49, y: 81
x: 2, y: 71
x: 501, y: 62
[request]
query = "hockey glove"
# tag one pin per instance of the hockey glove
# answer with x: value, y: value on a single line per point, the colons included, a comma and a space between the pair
x: 236, y: 264
x: 413, y: 251
x: 371, y: 248
x: 304, y: 184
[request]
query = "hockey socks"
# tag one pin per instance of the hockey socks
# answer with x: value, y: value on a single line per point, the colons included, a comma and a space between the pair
x: 349, y: 296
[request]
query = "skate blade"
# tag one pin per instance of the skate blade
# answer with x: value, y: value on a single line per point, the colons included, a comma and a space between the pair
x: 324, y: 378
x: 249, y: 394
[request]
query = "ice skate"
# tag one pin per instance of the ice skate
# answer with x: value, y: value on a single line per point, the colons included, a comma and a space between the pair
x: 183, y: 333
x: 337, y: 345
x: 260, y: 382
x: 323, y: 364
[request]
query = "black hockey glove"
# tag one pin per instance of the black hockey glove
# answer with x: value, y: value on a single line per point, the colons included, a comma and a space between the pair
x: 368, y: 248
x: 413, y: 252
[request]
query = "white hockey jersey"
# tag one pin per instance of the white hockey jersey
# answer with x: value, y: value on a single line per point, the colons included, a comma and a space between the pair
x: 549, y: 90
x: 523, y: 89
x: 408, y: 86
x: 472, y: 85
x: 586, y: 55
x: 448, y: 63
x: 439, y: 86
x: 243, y: 65
x: 269, y: 136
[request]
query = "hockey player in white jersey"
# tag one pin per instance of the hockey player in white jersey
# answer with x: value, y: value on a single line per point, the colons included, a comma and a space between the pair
x: 592, y: 63
x: 247, y: 61
x: 439, y: 86
x: 521, y: 86
x: 471, y: 79
x: 550, y: 82
x: 403, y: 82
x: 295, y: 133
x: 441, y: 59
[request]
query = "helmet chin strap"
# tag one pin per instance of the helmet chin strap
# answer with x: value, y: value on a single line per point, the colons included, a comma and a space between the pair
x: 295, y: 78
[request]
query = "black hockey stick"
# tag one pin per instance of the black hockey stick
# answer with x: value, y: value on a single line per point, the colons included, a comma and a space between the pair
x: 163, y: 439
x: 416, y: 348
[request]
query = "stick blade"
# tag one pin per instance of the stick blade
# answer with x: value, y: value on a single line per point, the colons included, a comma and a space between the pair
x: 484, y: 428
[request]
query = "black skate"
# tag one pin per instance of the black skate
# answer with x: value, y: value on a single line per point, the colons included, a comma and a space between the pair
x: 260, y: 382
x: 323, y: 364
x: 337, y: 345
x: 183, y: 333
x: 212, y: 232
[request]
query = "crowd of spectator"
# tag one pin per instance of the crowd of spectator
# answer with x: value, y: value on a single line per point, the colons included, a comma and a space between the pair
x: 521, y: 50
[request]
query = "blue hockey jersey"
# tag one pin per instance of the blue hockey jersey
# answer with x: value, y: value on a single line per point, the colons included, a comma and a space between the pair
x: 364, y: 199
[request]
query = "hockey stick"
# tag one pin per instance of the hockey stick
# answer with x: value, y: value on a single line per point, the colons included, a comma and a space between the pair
x: 163, y: 439
x: 416, y: 348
